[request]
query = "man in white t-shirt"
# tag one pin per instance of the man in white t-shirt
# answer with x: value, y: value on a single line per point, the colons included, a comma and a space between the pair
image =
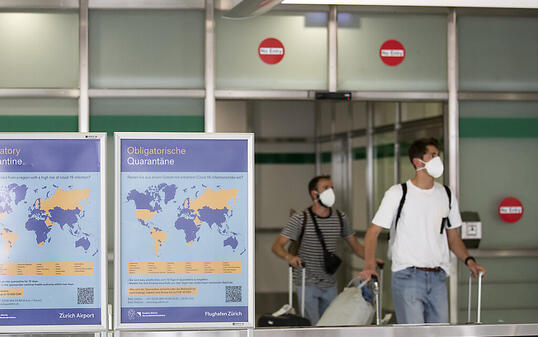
x: 421, y: 238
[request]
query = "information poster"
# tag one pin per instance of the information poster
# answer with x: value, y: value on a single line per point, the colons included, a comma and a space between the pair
x: 52, y: 247
x: 186, y: 230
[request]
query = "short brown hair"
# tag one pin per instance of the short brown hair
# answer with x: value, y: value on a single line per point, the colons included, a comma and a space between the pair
x: 418, y: 148
x: 313, y: 184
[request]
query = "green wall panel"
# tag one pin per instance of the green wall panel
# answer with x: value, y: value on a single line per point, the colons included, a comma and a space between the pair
x: 111, y: 124
x: 498, y: 127
x: 38, y: 123
x: 107, y: 124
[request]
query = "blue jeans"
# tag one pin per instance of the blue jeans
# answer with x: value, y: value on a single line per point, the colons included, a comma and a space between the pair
x: 317, y: 300
x: 420, y: 296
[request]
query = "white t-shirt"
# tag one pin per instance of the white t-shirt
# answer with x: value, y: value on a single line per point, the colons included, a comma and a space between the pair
x: 418, y: 240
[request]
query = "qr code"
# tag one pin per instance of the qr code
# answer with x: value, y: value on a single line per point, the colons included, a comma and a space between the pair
x: 84, y: 295
x: 233, y: 294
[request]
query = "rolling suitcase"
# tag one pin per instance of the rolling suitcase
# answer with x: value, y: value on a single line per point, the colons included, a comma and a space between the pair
x: 286, y: 316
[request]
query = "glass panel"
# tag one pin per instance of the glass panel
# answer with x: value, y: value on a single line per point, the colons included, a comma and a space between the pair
x: 383, y: 165
x: 384, y: 113
x: 360, y: 36
x: 38, y: 115
x: 498, y: 53
x: 281, y: 164
x: 419, y: 110
x: 360, y: 222
x: 39, y: 50
x: 231, y: 116
x: 304, y: 65
x: 146, y: 49
x: 359, y: 115
x: 39, y: 106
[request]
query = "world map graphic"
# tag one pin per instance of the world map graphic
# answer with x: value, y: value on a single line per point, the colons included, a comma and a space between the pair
x: 192, y: 208
x: 38, y: 211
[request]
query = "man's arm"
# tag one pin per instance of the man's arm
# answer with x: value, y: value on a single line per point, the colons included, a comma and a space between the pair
x: 457, y: 246
x: 355, y: 245
x: 370, y: 243
x: 278, y: 249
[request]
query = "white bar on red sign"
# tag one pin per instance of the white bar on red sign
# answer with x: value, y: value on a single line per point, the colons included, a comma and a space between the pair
x: 511, y: 210
x: 392, y: 52
x: 271, y: 51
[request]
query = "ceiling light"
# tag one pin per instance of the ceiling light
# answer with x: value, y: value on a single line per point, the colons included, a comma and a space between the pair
x: 424, y: 3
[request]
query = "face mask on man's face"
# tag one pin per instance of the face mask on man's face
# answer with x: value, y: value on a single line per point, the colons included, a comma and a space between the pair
x: 327, y: 198
x: 434, y: 167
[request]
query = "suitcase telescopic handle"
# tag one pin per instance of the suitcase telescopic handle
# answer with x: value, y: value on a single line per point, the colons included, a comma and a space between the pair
x: 290, y: 286
x: 478, y: 309
x: 375, y: 280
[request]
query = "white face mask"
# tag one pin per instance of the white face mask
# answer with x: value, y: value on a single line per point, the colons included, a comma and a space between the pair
x: 434, y: 167
x: 327, y: 198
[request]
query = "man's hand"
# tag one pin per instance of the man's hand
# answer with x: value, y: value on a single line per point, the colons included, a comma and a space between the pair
x: 475, y: 268
x: 366, y: 274
x: 294, y: 261
x: 380, y: 263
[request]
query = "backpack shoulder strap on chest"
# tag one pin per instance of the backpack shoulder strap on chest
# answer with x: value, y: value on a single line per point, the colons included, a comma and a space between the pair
x: 402, y: 202
x: 449, y: 194
x: 341, y: 219
x: 302, y: 227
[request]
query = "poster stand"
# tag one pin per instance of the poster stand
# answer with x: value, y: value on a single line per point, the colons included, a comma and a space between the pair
x: 184, y: 239
x: 53, y: 233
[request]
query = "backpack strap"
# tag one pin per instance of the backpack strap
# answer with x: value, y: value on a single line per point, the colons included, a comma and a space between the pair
x: 402, y: 202
x: 449, y: 193
x: 341, y: 219
x: 302, y: 231
x: 446, y: 221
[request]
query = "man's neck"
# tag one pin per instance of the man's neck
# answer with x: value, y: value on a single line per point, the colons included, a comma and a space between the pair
x: 320, y: 211
x: 423, y: 180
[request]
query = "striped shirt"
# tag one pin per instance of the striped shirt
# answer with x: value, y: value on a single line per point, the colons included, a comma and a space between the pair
x: 310, y: 249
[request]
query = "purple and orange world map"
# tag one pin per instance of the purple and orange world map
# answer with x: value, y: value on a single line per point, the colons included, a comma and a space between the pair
x: 212, y: 207
x: 57, y: 207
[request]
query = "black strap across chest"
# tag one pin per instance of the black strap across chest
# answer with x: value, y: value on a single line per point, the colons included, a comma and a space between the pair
x: 402, y: 202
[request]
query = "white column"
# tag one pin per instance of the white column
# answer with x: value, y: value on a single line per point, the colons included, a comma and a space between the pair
x: 209, y: 106
x: 333, y: 48
x: 83, y: 101
x: 453, y: 146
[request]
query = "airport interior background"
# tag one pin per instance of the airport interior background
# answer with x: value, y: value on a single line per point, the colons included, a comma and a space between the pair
x: 144, y: 69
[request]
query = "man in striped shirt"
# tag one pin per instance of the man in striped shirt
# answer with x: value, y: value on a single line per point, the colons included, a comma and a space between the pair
x: 320, y: 286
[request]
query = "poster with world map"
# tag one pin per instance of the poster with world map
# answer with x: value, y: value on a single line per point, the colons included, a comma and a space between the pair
x: 184, y: 223
x: 51, y: 246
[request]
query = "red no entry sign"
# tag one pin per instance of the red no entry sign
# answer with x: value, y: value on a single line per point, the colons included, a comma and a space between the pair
x: 271, y: 51
x: 392, y: 52
x: 510, y: 210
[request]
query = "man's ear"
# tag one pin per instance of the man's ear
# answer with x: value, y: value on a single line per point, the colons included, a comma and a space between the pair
x: 313, y: 194
x: 417, y: 163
